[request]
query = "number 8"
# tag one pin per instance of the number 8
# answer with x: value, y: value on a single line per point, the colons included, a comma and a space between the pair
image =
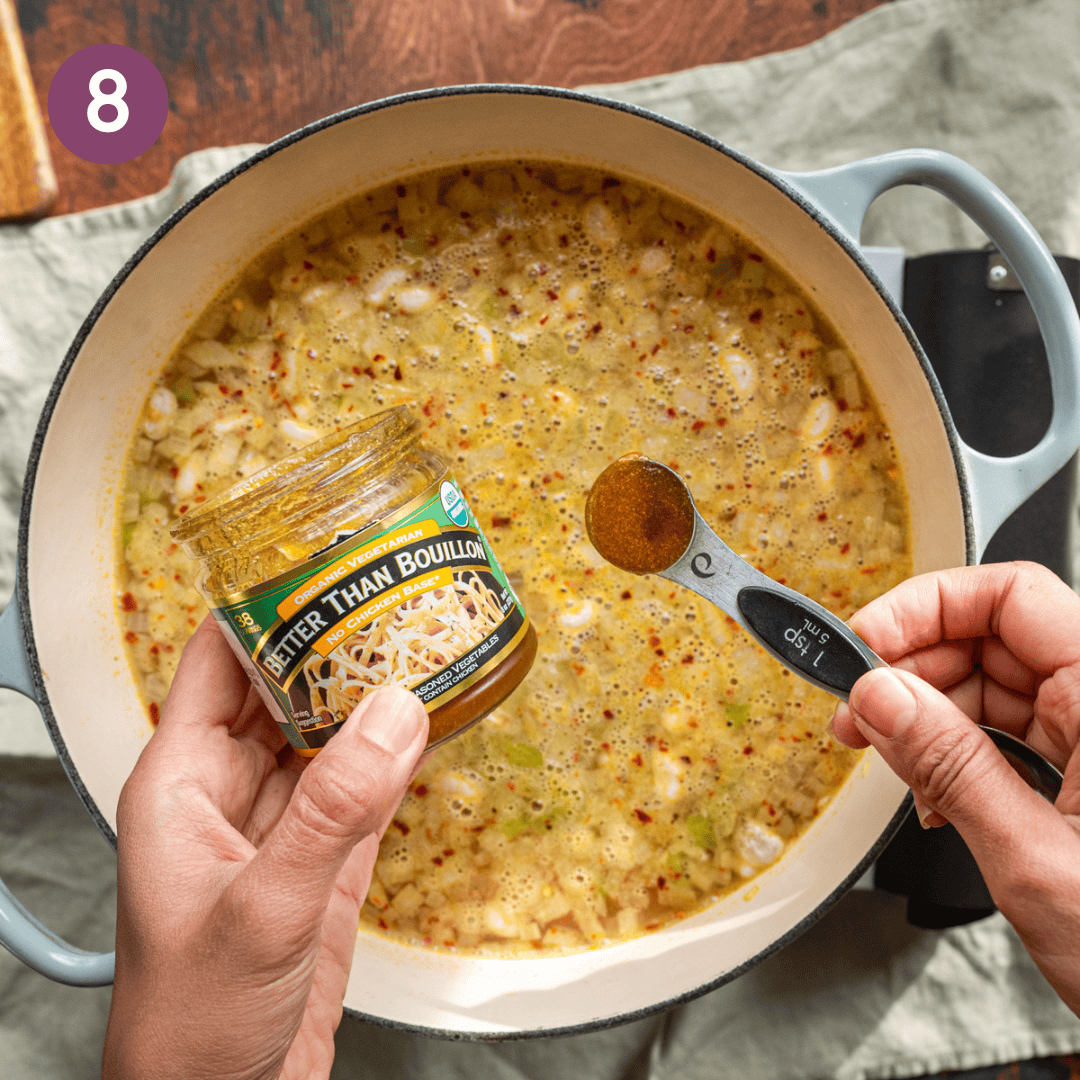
x: 115, y: 99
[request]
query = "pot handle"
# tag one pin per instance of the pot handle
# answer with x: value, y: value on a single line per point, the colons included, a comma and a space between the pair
x: 20, y: 933
x: 998, y: 485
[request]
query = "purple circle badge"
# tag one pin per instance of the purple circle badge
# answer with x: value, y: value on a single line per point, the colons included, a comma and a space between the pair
x: 108, y: 104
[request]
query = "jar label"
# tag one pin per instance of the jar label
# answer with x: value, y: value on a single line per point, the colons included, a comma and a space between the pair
x: 417, y: 600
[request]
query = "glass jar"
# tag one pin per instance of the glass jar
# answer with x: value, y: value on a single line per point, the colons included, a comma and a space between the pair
x: 356, y: 563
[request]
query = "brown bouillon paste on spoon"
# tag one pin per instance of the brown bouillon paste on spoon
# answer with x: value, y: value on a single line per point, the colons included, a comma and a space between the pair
x: 639, y: 515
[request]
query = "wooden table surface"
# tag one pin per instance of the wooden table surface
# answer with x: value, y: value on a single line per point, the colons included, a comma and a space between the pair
x: 253, y: 70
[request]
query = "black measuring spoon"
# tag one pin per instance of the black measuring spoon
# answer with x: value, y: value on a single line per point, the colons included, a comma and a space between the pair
x: 804, y: 636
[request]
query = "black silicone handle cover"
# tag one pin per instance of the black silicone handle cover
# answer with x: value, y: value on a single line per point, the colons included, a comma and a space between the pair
x: 801, y: 638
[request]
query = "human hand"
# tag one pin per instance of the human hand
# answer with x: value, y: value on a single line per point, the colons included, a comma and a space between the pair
x: 1001, y: 645
x: 241, y: 872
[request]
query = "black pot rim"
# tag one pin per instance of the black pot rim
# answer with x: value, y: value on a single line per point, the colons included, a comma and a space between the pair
x: 814, y: 211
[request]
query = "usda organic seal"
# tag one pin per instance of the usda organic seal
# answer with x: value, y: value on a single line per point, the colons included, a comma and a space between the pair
x: 453, y: 503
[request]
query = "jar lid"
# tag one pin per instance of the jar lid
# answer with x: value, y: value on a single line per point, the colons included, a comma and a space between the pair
x: 300, y: 485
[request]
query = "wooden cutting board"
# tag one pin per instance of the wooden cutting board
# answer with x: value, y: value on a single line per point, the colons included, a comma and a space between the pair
x: 27, y: 180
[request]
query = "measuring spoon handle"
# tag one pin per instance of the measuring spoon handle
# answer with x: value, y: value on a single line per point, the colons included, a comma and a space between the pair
x: 806, y: 637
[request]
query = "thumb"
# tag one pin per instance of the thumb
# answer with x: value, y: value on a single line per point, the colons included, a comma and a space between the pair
x: 346, y: 795
x: 953, y: 769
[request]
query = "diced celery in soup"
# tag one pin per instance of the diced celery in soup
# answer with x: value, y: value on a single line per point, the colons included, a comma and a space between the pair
x: 544, y: 320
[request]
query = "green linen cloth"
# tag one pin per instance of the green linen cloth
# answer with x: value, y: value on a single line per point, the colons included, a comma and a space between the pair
x: 861, y: 994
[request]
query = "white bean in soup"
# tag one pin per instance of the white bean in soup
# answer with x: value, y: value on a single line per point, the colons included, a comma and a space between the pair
x: 544, y: 320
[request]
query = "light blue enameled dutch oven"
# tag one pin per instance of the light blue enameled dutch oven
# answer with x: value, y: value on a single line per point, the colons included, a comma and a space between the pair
x: 61, y: 642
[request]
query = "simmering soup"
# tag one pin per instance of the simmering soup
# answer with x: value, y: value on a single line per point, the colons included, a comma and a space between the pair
x: 544, y: 320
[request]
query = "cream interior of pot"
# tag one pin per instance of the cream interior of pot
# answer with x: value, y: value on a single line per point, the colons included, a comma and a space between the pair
x: 71, y: 551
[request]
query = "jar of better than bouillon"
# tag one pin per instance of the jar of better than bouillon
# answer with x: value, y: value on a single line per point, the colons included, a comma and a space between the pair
x: 356, y: 563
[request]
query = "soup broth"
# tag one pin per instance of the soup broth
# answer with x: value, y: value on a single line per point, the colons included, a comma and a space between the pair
x: 543, y: 320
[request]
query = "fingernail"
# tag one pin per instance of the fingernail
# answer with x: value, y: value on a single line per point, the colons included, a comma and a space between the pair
x: 392, y: 719
x: 922, y: 810
x: 840, y: 710
x: 884, y: 703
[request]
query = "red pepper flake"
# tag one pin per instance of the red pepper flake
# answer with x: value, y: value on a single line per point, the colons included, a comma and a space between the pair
x: 401, y: 827
x: 858, y: 440
x: 644, y: 818
x: 382, y: 924
x: 174, y: 471
x: 401, y: 191
x: 397, y: 373
x: 506, y: 238
x: 400, y: 230
x: 653, y: 641
x: 688, y: 658
x: 609, y: 182
x: 823, y: 516
x: 437, y: 860
x: 671, y: 412
x: 238, y: 393
x: 503, y: 292
x: 370, y: 372
x: 277, y: 360
x: 753, y: 255
x: 608, y: 714
x: 596, y: 328
x: 637, y: 760
x: 183, y: 509
x: 841, y: 404
x: 655, y: 349
x: 420, y: 790
x: 515, y: 310
x: 127, y: 602
x: 564, y: 241
x: 845, y: 549
x: 155, y: 713
x: 464, y: 444
x: 224, y: 389
x: 154, y: 650
x: 352, y: 279
x: 661, y: 882
x: 869, y: 570
x: 131, y: 637
x: 747, y: 750
x: 552, y: 294
x: 755, y: 316
x: 697, y: 425
x: 710, y: 255
x: 499, y: 522
x: 722, y: 422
